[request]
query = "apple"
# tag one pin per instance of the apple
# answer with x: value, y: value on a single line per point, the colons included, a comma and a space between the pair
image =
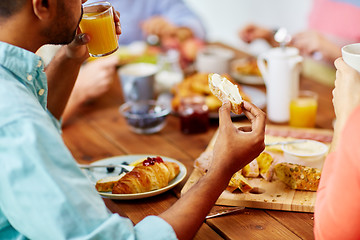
x: 190, y: 47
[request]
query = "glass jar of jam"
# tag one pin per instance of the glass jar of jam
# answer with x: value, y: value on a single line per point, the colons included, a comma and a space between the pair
x: 194, y: 115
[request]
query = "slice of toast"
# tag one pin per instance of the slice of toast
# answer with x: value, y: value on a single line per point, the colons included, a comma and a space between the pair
x: 251, y: 169
x: 106, y: 184
x: 298, y: 177
x: 224, y: 90
x: 239, y: 181
x: 266, y: 165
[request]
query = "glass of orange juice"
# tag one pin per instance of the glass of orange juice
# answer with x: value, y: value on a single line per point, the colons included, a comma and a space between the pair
x: 303, y: 109
x: 98, y: 23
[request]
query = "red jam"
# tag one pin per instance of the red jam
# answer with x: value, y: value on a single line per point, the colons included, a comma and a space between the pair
x: 151, y: 161
x: 193, y: 115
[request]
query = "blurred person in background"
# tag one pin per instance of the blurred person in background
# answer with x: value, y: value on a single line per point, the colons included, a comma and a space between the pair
x: 337, y: 208
x: 331, y: 25
x: 141, y: 18
x: 167, y: 22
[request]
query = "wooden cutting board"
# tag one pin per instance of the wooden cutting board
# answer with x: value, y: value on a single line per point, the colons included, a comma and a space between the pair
x: 275, y: 194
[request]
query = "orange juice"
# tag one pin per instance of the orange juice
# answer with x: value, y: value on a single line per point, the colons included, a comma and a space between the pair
x: 303, y: 111
x: 101, y: 29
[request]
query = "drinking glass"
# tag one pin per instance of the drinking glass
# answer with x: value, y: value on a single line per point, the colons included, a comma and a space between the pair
x: 98, y: 23
x: 303, y: 110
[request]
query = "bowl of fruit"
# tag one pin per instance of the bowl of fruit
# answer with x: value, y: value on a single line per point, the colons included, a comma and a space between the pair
x: 146, y: 116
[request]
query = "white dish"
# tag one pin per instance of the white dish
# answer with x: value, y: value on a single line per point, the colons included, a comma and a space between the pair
x: 248, y: 79
x: 310, y: 153
x: 244, y: 78
x: 98, y: 173
x: 258, y: 98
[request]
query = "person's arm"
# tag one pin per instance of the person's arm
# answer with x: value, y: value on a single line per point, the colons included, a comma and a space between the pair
x: 62, y: 73
x: 337, y: 215
x: 345, y: 99
x: 234, y: 148
x: 337, y: 209
x: 64, y: 68
x: 311, y: 43
x: 251, y: 32
x: 95, y: 78
x: 174, y: 17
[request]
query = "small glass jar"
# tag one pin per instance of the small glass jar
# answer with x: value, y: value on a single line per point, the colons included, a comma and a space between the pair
x: 170, y: 72
x: 194, y: 115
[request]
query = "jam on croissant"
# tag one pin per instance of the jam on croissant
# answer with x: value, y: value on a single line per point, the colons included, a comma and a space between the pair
x: 151, y: 174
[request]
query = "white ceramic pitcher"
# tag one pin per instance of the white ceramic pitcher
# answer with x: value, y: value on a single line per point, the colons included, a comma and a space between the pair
x: 280, y: 68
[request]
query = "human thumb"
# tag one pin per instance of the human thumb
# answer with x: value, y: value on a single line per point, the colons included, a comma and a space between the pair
x: 80, y: 39
x: 77, y: 49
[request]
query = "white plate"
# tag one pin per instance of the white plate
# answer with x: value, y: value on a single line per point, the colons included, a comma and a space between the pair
x: 243, y: 78
x: 258, y: 98
x: 248, y: 79
x: 98, y: 173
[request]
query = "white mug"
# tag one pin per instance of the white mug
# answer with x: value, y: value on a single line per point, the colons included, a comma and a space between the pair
x: 351, y: 55
x: 280, y: 68
x: 137, y: 81
x: 213, y: 59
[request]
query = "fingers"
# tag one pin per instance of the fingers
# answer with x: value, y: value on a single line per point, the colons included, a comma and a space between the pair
x: 117, y: 22
x: 256, y: 116
x: 80, y: 39
x: 340, y: 64
x: 344, y: 70
x: 77, y: 49
x: 224, y: 115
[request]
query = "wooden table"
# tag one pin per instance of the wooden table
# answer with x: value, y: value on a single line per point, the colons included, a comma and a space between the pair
x: 98, y: 131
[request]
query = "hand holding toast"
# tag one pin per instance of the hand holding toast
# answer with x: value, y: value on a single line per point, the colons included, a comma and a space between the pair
x: 236, y: 147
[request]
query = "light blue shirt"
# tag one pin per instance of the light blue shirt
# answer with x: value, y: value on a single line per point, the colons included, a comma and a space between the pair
x: 134, y: 12
x: 43, y: 194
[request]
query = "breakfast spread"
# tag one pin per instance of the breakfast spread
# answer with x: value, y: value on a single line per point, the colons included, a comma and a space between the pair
x: 279, y: 184
x: 149, y: 174
x: 270, y: 166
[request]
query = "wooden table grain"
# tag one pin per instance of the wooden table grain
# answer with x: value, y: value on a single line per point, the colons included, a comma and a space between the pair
x: 98, y: 131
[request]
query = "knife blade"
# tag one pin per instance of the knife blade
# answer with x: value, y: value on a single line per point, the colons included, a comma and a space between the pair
x: 223, y: 211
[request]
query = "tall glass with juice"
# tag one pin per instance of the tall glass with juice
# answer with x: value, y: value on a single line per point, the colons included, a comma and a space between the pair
x: 303, y: 110
x: 98, y: 23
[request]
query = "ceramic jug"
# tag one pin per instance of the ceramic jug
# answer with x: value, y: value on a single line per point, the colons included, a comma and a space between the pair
x: 280, y: 68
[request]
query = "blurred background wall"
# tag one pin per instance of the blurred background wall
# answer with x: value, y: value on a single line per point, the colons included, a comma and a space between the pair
x: 223, y: 18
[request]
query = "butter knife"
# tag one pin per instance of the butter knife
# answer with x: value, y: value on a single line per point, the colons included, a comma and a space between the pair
x: 223, y: 211
x: 285, y: 142
x: 126, y: 167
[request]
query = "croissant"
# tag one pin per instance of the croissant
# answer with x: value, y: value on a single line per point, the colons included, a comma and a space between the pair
x: 151, y: 174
